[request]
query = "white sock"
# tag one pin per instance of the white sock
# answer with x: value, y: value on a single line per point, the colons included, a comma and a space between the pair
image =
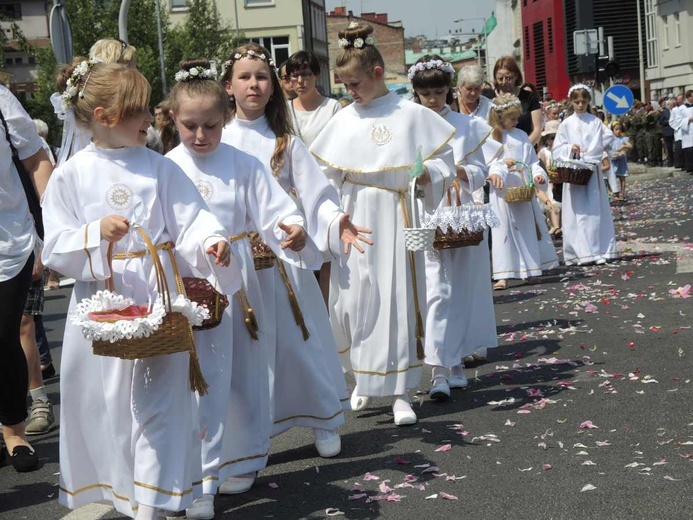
x: 323, y: 435
x: 438, y: 372
x: 400, y: 403
x: 457, y: 370
x: 39, y: 394
x: 146, y: 512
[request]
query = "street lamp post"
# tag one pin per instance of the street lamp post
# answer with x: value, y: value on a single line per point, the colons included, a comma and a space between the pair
x: 488, y: 71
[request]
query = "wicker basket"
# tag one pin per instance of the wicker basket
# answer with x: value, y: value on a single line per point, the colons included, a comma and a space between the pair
x: 263, y: 257
x: 574, y: 172
x: 450, y: 239
x: 417, y: 238
x: 521, y: 194
x: 201, y: 292
x: 553, y: 176
x: 173, y: 335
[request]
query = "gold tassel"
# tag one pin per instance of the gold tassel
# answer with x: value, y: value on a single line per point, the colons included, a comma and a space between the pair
x: 295, y: 307
x: 197, y: 380
x: 248, y: 314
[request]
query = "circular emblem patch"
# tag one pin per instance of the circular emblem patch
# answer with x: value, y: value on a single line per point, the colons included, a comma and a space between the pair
x: 381, y: 134
x: 206, y: 190
x: 119, y: 196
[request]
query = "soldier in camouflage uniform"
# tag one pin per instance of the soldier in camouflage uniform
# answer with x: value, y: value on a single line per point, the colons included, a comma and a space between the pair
x: 627, y: 122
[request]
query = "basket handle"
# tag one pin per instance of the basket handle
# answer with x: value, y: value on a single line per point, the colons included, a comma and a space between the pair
x: 161, y: 283
x: 456, y: 187
x: 416, y: 222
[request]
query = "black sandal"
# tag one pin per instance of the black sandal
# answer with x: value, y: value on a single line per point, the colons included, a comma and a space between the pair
x: 24, y: 459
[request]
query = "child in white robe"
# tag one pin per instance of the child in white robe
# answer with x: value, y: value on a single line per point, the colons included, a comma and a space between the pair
x: 460, y: 316
x: 241, y: 193
x: 588, y: 227
x: 521, y: 246
x: 308, y: 387
x: 126, y: 426
x: 377, y: 301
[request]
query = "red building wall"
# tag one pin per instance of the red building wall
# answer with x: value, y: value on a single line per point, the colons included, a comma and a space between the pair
x: 544, y: 46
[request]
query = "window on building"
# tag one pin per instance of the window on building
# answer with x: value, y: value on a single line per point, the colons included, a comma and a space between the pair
x: 677, y: 29
x: 526, y: 42
x: 651, y: 33
x: 259, y: 3
x: 549, y: 33
x: 179, y: 4
x: 11, y: 10
x: 665, y: 32
x: 277, y: 45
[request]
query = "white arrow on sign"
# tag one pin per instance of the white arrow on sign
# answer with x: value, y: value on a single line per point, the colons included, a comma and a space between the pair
x: 621, y: 102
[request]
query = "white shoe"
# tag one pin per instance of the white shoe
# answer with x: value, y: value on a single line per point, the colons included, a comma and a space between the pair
x: 202, y: 509
x: 601, y: 261
x: 327, y: 442
x: 359, y: 402
x: 237, y: 485
x: 480, y: 354
x: 440, y: 389
x: 405, y: 415
x: 458, y: 381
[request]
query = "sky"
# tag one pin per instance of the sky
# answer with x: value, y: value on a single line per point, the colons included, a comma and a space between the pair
x: 431, y: 18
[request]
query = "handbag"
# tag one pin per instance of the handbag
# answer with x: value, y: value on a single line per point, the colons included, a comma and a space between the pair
x: 29, y: 190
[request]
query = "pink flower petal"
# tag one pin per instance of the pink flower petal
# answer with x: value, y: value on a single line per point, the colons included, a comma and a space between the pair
x: 273, y: 485
x: 588, y: 425
x: 444, y: 447
x: 546, y: 467
x: 400, y: 460
x: 447, y: 496
x: 384, y: 488
x: 370, y: 476
x: 357, y: 496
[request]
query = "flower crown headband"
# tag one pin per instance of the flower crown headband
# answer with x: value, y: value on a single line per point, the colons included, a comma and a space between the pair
x: 250, y: 54
x: 579, y: 86
x: 553, y: 104
x: 71, y: 87
x: 441, y: 65
x: 357, y: 43
x: 505, y: 106
x: 195, y: 73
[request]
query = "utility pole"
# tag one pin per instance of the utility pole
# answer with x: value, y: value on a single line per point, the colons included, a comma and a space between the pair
x: 641, y: 56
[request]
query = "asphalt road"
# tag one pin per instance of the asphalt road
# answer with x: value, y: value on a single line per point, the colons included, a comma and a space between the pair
x: 583, y: 412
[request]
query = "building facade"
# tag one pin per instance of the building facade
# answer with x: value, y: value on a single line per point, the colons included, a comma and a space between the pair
x: 389, y: 38
x: 282, y: 26
x: 19, y: 69
x: 505, y: 39
x: 669, y: 30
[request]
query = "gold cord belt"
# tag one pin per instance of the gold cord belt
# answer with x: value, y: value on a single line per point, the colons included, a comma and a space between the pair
x: 419, y: 330
x: 293, y: 301
x: 242, y: 296
x: 166, y: 246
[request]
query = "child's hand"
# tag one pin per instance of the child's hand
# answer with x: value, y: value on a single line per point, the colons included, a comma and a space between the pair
x: 495, y: 181
x: 350, y: 234
x: 510, y: 162
x: 539, y: 179
x: 221, y: 252
x: 424, y: 178
x: 114, y: 227
x: 296, y: 239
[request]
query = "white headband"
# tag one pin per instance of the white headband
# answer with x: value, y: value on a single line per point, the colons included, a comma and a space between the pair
x: 579, y: 86
x: 441, y: 65
x: 505, y: 106
x: 195, y: 73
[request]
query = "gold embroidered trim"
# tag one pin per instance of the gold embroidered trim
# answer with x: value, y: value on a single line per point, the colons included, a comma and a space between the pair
x: 163, y: 491
x: 166, y: 246
x: 94, y: 486
x: 477, y: 147
x: 340, y: 352
x: 205, y: 479
x: 387, y: 168
x: 410, y: 367
x: 86, y: 241
x: 252, y: 457
x: 309, y: 417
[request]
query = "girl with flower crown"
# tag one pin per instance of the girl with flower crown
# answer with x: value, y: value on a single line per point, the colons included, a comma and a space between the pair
x: 521, y: 247
x: 368, y: 150
x: 588, y: 227
x: 460, y: 319
x: 126, y: 426
x: 242, y: 194
x: 308, y: 387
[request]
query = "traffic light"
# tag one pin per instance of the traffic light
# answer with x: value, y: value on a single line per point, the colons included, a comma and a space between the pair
x: 607, y: 68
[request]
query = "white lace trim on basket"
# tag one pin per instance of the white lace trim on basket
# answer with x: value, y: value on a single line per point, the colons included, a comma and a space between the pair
x: 129, y: 329
x: 471, y: 217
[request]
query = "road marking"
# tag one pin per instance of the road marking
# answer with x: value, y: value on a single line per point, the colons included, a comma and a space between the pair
x: 684, y: 255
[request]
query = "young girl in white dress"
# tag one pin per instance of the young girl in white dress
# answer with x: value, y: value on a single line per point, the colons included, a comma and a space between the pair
x: 126, y: 427
x: 521, y: 246
x: 377, y: 300
x: 588, y: 227
x: 459, y: 297
x: 308, y: 386
x: 241, y: 193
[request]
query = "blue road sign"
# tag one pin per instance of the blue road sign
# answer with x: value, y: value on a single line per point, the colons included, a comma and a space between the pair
x: 618, y: 99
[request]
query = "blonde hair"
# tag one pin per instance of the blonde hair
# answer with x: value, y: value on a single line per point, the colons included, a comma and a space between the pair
x: 495, y: 117
x: 111, y: 50
x: 367, y: 56
x: 120, y: 90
